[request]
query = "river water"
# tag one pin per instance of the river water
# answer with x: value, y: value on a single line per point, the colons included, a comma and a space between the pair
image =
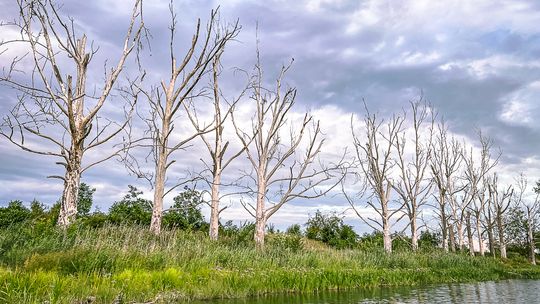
x: 510, y: 291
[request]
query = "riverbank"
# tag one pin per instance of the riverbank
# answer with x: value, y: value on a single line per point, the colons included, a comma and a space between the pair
x: 129, y: 264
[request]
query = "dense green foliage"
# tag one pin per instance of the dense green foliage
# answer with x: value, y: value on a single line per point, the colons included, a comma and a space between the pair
x: 330, y: 229
x: 85, y: 199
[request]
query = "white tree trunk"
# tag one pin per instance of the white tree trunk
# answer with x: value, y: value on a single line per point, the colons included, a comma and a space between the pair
x: 387, y: 238
x: 479, y: 235
x: 414, y: 234
x: 260, y: 217
x: 532, y: 247
x: 214, y: 211
x: 502, y: 241
x: 470, y: 235
x: 72, y: 179
x: 159, y: 190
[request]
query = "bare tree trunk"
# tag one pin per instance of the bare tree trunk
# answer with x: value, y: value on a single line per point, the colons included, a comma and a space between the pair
x: 532, y: 247
x: 159, y: 191
x: 491, y: 240
x: 444, y: 223
x: 452, y: 238
x: 461, y: 236
x: 387, y: 238
x: 214, y: 211
x: 479, y: 235
x: 502, y: 241
x: 414, y: 234
x: 502, y: 244
x: 260, y: 217
x: 469, y: 234
x: 161, y: 168
x: 68, y: 209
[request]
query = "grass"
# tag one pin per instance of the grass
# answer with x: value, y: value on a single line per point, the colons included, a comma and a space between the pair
x: 126, y: 264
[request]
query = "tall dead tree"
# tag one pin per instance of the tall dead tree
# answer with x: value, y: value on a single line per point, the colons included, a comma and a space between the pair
x: 55, y: 107
x: 413, y: 185
x: 216, y: 145
x: 445, y: 164
x: 501, y: 200
x: 289, y: 166
x: 169, y: 100
x: 475, y: 174
x: 374, y: 153
x: 532, y: 211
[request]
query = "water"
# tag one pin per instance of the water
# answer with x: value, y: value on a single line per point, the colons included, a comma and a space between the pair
x: 510, y: 291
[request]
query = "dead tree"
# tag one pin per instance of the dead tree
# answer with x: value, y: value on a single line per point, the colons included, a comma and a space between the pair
x: 374, y: 153
x: 168, y: 102
x: 501, y: 200
x: 413, y: 186
x: 532, y: 211
x: 55, y: 107
x: 217, y: 146
x: 476, y: 171
x: 445, y: 164
x: 290, y: 167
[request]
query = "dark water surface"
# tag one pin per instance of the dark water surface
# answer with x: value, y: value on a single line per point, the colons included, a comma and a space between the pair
x: 510, y: 291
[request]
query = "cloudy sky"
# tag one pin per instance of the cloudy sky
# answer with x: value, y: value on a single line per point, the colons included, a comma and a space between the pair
x: 476, y: 62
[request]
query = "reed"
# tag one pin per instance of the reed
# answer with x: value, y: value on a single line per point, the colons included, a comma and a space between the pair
x: 127, y: 263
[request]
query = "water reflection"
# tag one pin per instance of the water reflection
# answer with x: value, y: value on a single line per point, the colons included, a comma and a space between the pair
x: 510, y: 291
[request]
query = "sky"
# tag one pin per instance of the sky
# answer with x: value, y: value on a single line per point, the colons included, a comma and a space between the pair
x: 476, y: 62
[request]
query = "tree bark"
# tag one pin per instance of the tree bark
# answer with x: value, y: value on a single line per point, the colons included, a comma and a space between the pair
x: 532, y: 247
x: 491, y: 240
x: 161, y: 171
x: 479, y: 235
x: 214, y: 212
x: 72, y: 179
x: 414, y: 234
x: 260, y: 217
x: 502, y: 241
x: 452, y: 238
x: 470, y: 235
x: 387, y: 238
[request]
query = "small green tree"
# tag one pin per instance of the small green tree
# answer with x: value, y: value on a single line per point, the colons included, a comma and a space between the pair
x: 14, y: 213
x: 85, y: 199
x: 330, y: 229
x: 294, y: 230
x: 132, y: 209
x: 429, y: 240
x: 185, y: 212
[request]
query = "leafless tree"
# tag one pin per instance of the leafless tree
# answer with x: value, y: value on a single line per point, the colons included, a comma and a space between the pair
x: 375, y: 160
x: 169, y: 101
x: 445, y: 164
x: 476, y: 171
x: 55, y: 108
x: 532, y: 210
x: 413, y: 185
x: 217, y: 146
x: 276, y: 162
x: 501, y: 200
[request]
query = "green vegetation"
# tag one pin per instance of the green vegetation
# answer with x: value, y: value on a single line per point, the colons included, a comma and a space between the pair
x: 128, y: 263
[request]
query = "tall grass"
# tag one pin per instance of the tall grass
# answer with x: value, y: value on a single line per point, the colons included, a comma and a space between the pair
x: 130, y: 264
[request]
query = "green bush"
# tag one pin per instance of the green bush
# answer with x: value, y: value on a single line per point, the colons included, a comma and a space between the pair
x: 132, y: 209
x: 185, y: 212
x: 330, y: 229
x: 14, y: 213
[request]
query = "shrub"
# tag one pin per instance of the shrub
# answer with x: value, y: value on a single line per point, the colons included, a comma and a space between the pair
x: 186, y: 212
x: 14, y: 213
x: 132, y: 209
x: 330, y: 229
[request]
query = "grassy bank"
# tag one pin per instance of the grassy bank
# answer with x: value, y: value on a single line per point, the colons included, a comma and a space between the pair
x: 129, y: 264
